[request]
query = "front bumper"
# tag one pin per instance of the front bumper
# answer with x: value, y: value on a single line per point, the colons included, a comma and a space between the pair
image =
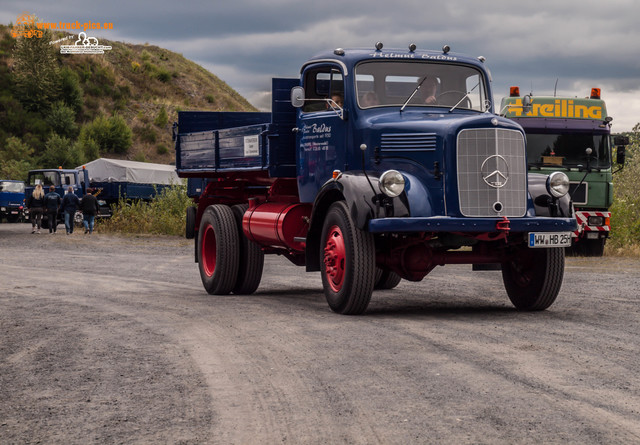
x: 477, y: 225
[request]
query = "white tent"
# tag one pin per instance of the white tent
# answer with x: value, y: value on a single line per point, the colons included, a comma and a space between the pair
x: 115, y: 170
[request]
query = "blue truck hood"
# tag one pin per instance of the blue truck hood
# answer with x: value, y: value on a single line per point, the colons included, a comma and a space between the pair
x: 434, y: 120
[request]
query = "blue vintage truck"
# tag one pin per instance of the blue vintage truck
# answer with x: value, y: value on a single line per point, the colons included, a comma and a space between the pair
x: 11, y: 200
x: 373, y: 166
x: 110, y: 179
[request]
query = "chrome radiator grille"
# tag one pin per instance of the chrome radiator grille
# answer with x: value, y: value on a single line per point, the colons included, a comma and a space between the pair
x: 492, y: 173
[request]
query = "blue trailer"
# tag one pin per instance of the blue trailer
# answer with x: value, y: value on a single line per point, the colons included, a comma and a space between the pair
x: 373, y: 166
x: 11, y: 200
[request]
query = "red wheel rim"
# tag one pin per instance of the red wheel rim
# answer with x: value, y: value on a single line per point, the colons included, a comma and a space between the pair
x: 208, y: 250
x: 335, y: 258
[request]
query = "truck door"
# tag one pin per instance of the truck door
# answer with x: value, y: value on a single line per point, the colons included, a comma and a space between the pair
x: 322, y: 131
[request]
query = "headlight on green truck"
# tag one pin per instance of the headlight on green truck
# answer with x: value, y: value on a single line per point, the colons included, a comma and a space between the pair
x: 558, y: 184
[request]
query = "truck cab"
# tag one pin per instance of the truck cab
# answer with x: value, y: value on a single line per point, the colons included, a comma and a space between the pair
x: 61, y: 179
x: 397, y: 164
x: 11, y: 200
x: 572, y: 135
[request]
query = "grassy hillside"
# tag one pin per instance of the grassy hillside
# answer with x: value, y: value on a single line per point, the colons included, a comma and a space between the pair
x: 143, y: 84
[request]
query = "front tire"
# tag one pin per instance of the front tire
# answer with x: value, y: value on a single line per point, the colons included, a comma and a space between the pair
x: 533, y: 277
x: 347, y: 261
x: 218, y: 250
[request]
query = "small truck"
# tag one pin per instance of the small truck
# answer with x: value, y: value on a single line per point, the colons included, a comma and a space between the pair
x: 574, y: 135
x: 11, y: 200
x: 375, y: 165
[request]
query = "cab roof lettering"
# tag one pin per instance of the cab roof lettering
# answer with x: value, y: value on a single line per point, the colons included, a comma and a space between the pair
x: 565, y: 108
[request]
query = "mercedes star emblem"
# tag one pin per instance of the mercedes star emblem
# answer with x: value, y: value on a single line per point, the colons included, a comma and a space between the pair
x: 495, y: 171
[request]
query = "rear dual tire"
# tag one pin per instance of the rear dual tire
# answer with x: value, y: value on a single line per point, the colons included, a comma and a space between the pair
x: 218, y: 250
x: 228, y: 261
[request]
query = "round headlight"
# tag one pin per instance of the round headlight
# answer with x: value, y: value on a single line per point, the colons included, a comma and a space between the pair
x: 391, y: 183
x: 558, y: 184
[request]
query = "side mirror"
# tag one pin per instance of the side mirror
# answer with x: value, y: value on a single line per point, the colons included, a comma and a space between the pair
x: 621, y: 140
x: 297, y: 97
x: 526, y: 103
x: 621, y: 153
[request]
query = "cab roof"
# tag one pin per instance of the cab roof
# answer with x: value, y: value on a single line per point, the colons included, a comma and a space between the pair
x: 349, y: 57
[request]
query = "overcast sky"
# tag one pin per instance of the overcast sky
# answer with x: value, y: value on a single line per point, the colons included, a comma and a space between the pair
x: 578, y: 43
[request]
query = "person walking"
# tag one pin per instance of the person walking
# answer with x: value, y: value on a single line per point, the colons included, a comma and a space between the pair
x: 52, y: 205
x: 70, y: 203
x: 89, y: 207
x: 36, y: 207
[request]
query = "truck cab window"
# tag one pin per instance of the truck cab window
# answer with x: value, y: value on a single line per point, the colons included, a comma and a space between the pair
x: 44, y: 178
x: 391, y: 83
x: 323, y: 87
x: 69, y: 179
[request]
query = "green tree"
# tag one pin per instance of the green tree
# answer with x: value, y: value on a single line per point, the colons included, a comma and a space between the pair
x: 71, y: 92
x: 62, y: 120
x: 61, y: 152
x: 15, y: 159
x: 35, y: 71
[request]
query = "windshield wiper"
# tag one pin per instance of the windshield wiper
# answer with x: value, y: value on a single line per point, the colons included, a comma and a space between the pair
x: 464, y: 97
x: 413, y: 94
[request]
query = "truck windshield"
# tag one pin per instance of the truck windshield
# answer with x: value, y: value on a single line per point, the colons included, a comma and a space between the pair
x: 568, y: 150
x: 12, y: 187
x: 44, y: 178
x: 391, y: 83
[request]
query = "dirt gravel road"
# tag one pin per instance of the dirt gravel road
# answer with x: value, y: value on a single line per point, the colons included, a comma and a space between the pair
x: 109, y: 339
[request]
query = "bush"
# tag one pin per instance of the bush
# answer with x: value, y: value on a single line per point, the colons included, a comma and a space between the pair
x: 146, y: 134
x: 625, y: 211
x: 165, y: 215
x: 162, y: 149
x: 163, y: 118
x: 162, y: 75
x: 112, y: 134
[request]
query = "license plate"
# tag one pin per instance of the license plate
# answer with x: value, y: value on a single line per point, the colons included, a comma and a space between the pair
x: 14, y: 212
x: 549, y: 239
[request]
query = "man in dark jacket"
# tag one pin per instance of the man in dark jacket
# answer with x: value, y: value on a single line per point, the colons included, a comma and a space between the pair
x: 52, y: 204
x: 89, y: 207
x: 70, y: 203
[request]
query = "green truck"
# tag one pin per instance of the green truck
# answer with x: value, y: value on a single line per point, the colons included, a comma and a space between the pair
x: 573, y: 134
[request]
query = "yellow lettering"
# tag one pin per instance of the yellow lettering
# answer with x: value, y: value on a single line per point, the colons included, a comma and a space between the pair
x: 515, y: 108
x: 595, y: 112
x: 581, y: 111
x: 546, y: 110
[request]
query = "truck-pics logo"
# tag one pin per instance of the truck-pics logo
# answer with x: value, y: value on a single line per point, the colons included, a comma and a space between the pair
x: 84, y: 45
x: 26, y: 27
x: 495, y: 171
